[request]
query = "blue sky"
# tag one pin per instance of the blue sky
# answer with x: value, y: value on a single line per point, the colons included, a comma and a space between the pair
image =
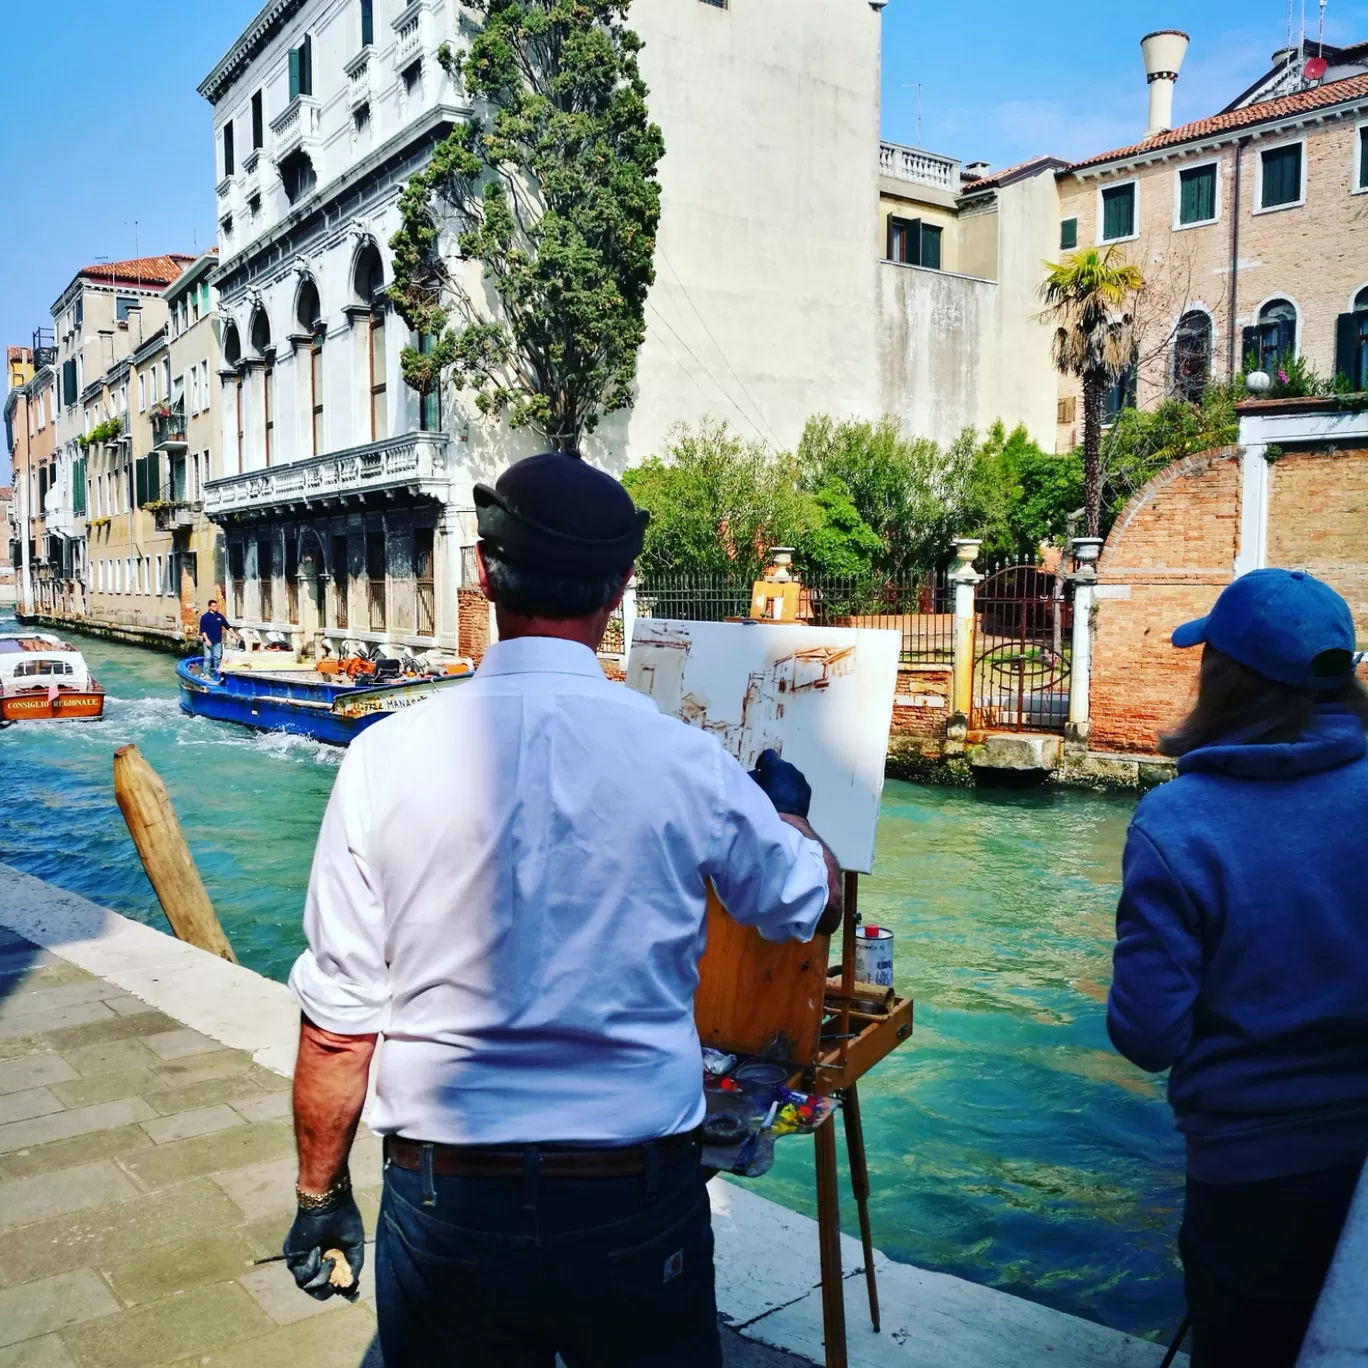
x: 108, y: 146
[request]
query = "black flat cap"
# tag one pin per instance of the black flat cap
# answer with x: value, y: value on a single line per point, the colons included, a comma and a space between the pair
x: 554, y: 512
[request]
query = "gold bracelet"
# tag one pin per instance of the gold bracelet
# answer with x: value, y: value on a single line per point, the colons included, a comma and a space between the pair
x: 323, y: 1201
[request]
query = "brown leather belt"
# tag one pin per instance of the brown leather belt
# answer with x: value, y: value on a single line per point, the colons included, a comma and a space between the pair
x: 487, y: 1161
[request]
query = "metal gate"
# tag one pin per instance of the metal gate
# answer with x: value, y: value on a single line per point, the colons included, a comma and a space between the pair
x: 1023, y: 621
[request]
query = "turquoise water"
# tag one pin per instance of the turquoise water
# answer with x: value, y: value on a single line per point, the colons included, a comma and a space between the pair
x: 1008, y: 1143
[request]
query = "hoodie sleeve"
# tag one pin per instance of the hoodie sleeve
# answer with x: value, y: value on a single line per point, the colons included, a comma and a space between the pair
x: 1157, y: 963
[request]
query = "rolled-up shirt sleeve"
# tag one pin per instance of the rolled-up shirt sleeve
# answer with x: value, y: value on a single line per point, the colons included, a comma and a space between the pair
x: 341, y: 981
x: 766, y: 873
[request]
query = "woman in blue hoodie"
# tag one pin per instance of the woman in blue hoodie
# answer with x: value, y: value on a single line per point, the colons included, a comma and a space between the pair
x: 1241, y: 959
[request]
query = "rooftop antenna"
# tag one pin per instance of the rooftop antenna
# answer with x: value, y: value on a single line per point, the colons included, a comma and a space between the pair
x: 1320, y: 36
x: 911, y: 85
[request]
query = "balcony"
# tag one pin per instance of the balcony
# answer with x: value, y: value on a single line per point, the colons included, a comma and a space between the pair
x: 919, y: 167
x: 408, y: 34
x: 225, y: 194
x: 251, y: 173
x: 359, y: 78
x: 168, y: 429
x: 415, y: 463
x: 175, y: 515
x: 296, y: 127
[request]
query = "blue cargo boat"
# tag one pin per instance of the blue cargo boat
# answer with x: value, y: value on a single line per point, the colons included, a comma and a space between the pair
x: 302, y: 702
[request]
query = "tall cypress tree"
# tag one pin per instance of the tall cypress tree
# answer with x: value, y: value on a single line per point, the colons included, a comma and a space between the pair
x: 551, y: 186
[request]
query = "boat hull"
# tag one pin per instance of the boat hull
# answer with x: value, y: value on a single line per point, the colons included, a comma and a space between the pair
x: 74, y: 705
x: 330, y: 712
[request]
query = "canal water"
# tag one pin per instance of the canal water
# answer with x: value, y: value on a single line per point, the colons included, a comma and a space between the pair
x: 1008, y: 1143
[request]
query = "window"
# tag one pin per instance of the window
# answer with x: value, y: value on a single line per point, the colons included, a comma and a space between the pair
x: 717, y: 4
x: 1282, y: 176
x: 301, y: 68
x: 340, y: 581
x: 228, y: 164
x: 258, y: 122
x: 1273, y: 337
x: 1066, y: 410
x: 1121, y: 395
x: 1363, y: 158
x: 367, y: 23
x: 69, y: 391
x: 1351, y: 343
x: 316, y: 389
x: 236, y: 574
x: 297, y: 175
x: 142, y: 392
x: 429, y: 404
x: 425, y: 580
x: 379, y: 410
x: 204, y: 296
x: 914, y: 243
x: 375, y: 577
x: 413, y: 74
x: 268, y: 400
x: 265, y: 550
x: 1068, y: 234
x: 1192, y: 356
x: 161, y: 577
x: 1197, y: 194
x: 1118, y: 212
x: 291, y: 580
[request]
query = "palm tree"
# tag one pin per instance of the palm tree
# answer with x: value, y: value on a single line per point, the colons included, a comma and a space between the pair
x: 1085, y: 296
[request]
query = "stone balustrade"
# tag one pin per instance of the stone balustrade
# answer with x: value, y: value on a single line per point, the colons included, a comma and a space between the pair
x: 919, y: 167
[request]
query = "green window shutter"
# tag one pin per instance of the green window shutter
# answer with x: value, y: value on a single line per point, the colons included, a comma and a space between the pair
x: 69, y: 381
x: 78, y: 488
x: 140, y: 481
x: 1068, y: 235
x: 1363, y: 158
x: 1281, y: 176
x: 1118, y: 212
x: 1198, y: 197
x: 1250, y: 350
x: 931, y: 247
x: 1346, y: 347
x: 228, y: 148
x: 294, y: 72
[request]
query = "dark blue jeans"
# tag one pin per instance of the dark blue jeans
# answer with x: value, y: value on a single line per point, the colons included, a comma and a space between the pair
x: 506, y: 1273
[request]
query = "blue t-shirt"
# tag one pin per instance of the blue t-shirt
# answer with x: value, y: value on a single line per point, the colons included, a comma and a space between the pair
x: 212, y: 625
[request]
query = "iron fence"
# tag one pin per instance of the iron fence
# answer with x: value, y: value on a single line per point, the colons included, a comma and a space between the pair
x: 918, y: 605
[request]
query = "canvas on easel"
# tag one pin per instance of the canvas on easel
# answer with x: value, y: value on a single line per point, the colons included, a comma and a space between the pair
x: 823, y: 698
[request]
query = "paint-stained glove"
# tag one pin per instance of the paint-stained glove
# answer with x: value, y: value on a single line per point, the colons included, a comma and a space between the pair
x: 337, y: 1226
x: 783, y: 784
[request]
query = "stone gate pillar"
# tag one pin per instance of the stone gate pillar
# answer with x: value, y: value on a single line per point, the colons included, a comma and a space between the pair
x: 1085, y: 553
x: 965, y: 578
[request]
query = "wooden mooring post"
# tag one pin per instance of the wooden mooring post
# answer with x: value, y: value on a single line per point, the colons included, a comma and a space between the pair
x: 152, y: 822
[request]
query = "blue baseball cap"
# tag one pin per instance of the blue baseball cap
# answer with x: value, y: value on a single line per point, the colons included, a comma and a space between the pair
x: 1283, y: 624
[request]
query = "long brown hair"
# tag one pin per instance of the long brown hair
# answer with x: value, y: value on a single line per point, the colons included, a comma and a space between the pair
x: 1234, y: 703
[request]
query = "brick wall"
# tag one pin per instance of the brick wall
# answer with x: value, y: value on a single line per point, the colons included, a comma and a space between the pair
x: 921, y: 705
x: 473, y: 619
x: 1170, y: 554
x: 1318, y: 520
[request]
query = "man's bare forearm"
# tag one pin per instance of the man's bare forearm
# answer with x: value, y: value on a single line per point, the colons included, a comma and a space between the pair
x: 835, y: 908
x: 329, y: 1093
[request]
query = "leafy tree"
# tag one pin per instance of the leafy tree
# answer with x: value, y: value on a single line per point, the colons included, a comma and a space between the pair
x: 718, y: 503
x: 552, y: 186
x: 915, y: 497
x: 1086, y: 296
x: 842, y: 543
x: 1027, y: 495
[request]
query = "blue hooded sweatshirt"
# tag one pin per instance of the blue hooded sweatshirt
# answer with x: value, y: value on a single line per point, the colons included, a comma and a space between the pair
x: 1241, y: 958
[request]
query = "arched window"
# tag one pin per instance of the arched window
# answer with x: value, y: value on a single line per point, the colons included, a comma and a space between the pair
x: 1272, y: 339
x: 232, y: 355
x: 308, y: 311
x: 370, y: 286
x: 297, y: 176
x: 1192, y: 356
x: 1351, y: 343
x: 261, y: 344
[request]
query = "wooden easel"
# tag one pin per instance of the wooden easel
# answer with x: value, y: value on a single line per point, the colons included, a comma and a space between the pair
x: 774, y: 999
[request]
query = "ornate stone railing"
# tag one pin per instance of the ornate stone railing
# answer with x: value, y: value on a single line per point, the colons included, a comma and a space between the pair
x: 408, y: 30
x: 251, y: 173
x: 295, y: 126
x: 416, y: 459
x: 919, y: 167
x: 359, y: 78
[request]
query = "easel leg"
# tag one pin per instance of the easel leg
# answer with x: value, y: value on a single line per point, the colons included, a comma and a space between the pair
x: 829, y: 1240
x: 859, y: 1180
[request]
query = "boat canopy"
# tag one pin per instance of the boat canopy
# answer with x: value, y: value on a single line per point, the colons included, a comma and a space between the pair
x: 39, y: 669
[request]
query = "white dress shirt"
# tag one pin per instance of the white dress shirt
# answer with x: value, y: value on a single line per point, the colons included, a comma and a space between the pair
x: 509, y: 885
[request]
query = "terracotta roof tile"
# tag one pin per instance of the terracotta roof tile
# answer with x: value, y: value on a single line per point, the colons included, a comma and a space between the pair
x: 1008, y: 174
x: 152, y: 270
x: 1268, y: 111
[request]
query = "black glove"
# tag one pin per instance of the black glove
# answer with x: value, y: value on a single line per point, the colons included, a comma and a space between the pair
x: 337, y: 1226
x: 783, y: 783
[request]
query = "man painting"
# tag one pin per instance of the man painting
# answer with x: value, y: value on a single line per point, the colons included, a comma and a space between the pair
x: 509, y: 886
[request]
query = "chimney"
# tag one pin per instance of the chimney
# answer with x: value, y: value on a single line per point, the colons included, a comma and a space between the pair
x: 1163, y: 52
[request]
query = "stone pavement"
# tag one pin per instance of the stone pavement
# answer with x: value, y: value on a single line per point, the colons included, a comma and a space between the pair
x: 143, y: 1171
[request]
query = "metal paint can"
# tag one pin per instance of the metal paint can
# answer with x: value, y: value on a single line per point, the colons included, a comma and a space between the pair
x: 874, y: 955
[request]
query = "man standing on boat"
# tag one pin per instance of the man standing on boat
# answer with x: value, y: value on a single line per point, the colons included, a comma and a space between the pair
x: 509, y: 886
x: 212, y: 626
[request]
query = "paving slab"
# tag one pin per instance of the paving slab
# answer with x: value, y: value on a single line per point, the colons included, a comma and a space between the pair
x: 23, y: 1106
x: 203, y: 1319
x: 341, y: 1340
x: 264, y: 1107
x: 46, y: 1352
x: 112, y: 1028
x: 39, y: 1308
x: 204, y: 1092
x: 26, y: 1200
x: 139, y: 1275
x: 81, y: 1149
x: 272, y: 1287
x: 185, y: 1125
x: 109, y: 1056
x: 45, y: 997
x: 178, y: 1044
x: 164, y: 1165
x: 54, y: 1019
x: 34, y: 1071
x: 78, y: 1121
x: 107, y: 1087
